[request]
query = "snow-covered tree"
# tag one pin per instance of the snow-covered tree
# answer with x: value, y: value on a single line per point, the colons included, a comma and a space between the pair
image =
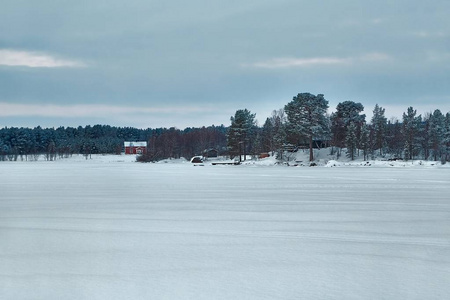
x: 411, y: 131
x: 394, y: 138
x: 351, y: 141
x: 267, y: 134
x: 407, y: 150
x: 278, y: 119
x: 306, y: 115
x: 257, y: 143
x: 379, y: 122
x: 3, y: 150
x: 437, y: 132
x: 364, y: 141
x: 273, y: 134
x: 426, y: 143
x: 447, y: 137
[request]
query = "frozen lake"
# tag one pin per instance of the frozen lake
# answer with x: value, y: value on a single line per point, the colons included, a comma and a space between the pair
x: 115, y: 229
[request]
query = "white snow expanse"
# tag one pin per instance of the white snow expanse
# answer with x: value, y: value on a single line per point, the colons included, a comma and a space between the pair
x: 110, y: 228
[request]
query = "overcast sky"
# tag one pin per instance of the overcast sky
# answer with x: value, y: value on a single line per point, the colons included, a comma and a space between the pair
x: 145, y: 63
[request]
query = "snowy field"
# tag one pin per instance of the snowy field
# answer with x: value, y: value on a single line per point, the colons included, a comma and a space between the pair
x: 110, y: 228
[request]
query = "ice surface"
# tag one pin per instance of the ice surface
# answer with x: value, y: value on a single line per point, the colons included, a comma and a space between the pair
x: 110, y: 228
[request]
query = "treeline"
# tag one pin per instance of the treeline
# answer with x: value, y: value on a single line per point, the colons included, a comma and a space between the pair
x: 50, y: 143
x: 304, y: 123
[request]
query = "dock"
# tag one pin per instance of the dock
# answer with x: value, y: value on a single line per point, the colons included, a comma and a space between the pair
x: 225, y: 163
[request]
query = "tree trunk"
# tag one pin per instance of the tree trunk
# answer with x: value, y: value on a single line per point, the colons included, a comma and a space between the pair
x: 240, y: 152
x: 311, y: 156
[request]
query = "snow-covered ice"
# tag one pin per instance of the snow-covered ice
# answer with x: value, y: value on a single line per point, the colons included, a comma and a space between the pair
x: 110, y: 228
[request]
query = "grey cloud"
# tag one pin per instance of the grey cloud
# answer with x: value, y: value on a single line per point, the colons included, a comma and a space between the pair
x: 178, y: 52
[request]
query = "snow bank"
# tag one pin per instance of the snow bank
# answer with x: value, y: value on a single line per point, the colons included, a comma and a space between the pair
x: 384, y: 163
x: 181, y: 160
x: 296, y: 159
x: 268, y: 161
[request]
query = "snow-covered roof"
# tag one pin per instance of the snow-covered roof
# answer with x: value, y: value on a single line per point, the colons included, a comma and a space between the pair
x: 135, y: 144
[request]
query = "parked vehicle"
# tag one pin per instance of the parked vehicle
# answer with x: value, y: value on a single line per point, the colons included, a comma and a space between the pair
x: 197, y: 160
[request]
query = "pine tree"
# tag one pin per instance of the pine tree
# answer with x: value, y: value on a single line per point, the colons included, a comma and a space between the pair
x: 306, y: 114
x: 437, y: 133
x: 278, y: 120
x: 267, y: 136
x: 257, y: 144
x: 446, y: 140
x: 394, y: 138
x: 240, y: 132
x: 379, y: 122
x: 407, y: 150
x: 3, y: 150
x: 364, y: 142
x: 347, y: 112
x: 411, y: 131
x: 426, y: 135
x: 351, y: 141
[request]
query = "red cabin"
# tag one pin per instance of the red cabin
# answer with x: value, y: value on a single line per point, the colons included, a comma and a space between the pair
x: 135, y: 147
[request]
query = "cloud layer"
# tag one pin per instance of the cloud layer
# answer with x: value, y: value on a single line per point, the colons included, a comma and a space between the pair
x: 90, y: 110
x: 279, y: 63
x: 166, y: 63
x: 35, y: 60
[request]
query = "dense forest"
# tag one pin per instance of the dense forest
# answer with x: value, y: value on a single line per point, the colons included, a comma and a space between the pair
x: 302, y: 123
x: 51, y: 143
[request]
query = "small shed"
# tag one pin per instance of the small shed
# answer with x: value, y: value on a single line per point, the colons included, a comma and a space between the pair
x: 135, y: 147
